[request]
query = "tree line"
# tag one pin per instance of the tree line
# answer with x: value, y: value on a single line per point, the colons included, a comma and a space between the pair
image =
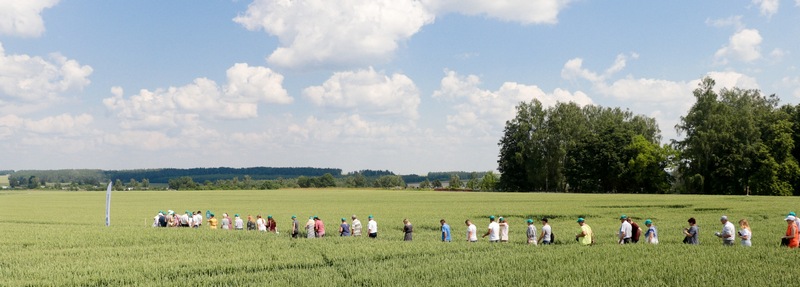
x: 735, y: 142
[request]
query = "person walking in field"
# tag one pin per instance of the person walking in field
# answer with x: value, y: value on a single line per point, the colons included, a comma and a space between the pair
x: 472, y: 231
x: 372, y: 227
x: 636, y: 231
x: 272, y: 226
x: 625, y: 230
x: 238, y: 223
x: 651, y: 236
x: 344, y: 228
x: 251, y: 223
x: 262, y: 224
x: 727, y: 231
x: 355, y: 228
x: 408, y: 230
x: 319, y: 227
x: 546, y: 236
x: 692, y: 233
x: 310, y: 228
x: 586, y: 237
x: 531, y: 232
x: 445, y: 231
x: 493, y: 231
x: 158, y: 219
x: 198, y: 219
x: 226, y: 222
x: 745, y: 234
x: 295, y: 227
x: 212, y: 222
x: 184, y: 219
x: 792, y: 237
x: 503, y: 229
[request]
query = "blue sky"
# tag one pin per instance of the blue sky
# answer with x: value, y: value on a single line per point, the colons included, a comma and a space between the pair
x: 409, y: 86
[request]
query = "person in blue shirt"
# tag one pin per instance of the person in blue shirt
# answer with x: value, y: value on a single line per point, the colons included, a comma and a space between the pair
x: 445, y: 231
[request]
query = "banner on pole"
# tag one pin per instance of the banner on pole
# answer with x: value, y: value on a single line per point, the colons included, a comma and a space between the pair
x: 108, y: 204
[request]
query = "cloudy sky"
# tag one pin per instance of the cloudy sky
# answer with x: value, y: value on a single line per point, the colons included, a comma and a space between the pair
x: 406, y: 85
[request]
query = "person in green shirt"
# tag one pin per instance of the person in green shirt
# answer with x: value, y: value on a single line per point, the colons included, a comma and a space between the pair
x: 586, y: 237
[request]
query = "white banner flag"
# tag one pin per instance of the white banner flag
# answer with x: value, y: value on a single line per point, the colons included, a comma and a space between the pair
x: 108, y: 205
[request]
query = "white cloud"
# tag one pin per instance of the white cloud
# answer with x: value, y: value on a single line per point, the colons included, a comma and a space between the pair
x: 664, y: 100
x: 202, y: 99
x: 34, y: 80
x: 483, y: 112
x: 22, y: 17
x: 744, y: 45
x: 792, y: 83
x: 522, y: 11
x: 768, y: 7
x: 321, y: 32
x: 369, y: 92
x: 359, y: 32
x: 735, y: 21
x: 60, y: 125
x: 145, y: 140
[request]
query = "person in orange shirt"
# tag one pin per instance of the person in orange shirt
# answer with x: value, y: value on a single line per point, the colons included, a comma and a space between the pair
x: 792, y: 237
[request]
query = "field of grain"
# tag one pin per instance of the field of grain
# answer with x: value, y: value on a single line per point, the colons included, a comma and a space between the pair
x: 59, y: 238
x: 4, y: 180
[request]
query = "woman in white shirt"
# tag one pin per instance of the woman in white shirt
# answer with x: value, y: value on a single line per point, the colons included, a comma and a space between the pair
x: 744, y: 233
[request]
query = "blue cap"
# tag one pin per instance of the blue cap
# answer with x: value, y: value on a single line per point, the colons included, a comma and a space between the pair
x: 580, y: 219
x: 491, y: 217
x: 623, y: 217
x: 646, y: 222
x: 530, y: 221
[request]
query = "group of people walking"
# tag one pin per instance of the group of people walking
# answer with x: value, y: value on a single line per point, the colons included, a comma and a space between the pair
x: 497, y: 230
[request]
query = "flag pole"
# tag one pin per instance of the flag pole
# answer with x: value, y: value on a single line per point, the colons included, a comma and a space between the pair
x: 108, y: 204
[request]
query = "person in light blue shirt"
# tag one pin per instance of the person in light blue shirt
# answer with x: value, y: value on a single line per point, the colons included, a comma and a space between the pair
x: 652, y: 233
x: 445, y: 231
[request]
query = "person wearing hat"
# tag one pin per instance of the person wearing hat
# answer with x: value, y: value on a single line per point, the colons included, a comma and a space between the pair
x: 355, y: 228
x: 636, y: 231
x: 372, y: 227
x: 546, y: 237
x: 625, y: 230
x: 531, y: 232
x: 586, y: 237
x: 295, y: 227
x: 344, y: 228
x: 472, y: 231
x: 238, y: 223
x: 493, y: 231
x: 727, y: 231
x: 503, y: 229
x: 792, y: 237
x: 691, y: 233
x: 184, y: 219
x: 796, y: 219
x: 226, y: 222
x: 319, y: 227
x: 408, y: 230
x: 272, y: 226
x: 445, y: 231
x: 652, y: 234
x: 158, y: 219
x: 310, y: 228
x: 212, y: 222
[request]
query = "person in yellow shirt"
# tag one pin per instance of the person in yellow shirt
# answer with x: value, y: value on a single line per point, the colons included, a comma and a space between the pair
x: 212, y: 222
x: 586, y: 237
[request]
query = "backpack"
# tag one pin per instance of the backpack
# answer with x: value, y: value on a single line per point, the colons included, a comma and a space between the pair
x: 552, y: 237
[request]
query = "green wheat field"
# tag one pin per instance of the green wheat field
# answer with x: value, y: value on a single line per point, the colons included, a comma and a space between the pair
x: 59, y: 239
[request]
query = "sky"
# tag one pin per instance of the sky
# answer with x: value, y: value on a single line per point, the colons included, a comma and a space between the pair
x: 410, y: 86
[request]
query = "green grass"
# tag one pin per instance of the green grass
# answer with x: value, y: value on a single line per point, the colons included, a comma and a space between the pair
x: 58, y: 238
x: 4, y: 180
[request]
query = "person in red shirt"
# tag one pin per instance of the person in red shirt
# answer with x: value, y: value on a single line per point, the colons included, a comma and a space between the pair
x: 272, y: 226
x: 637, y: 231
x: 792, y: 237
x: 319, y: 227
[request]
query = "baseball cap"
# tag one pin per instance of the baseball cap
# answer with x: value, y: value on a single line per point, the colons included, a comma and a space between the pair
x: 580, y: 219
x: 646, y: 222
x: 724, y: 217
x: 790, y: 218
x: 344, y: 219
x: 623, y: 217
x: 530, y: 220
x: 370, y: 216
x: 792, y: 213
x: 294, y: 216
x: 236, y: 215
x: 269, y: 216
x: 491, y: 217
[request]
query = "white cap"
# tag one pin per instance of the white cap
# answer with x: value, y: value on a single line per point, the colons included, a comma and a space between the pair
x: 792, y: 218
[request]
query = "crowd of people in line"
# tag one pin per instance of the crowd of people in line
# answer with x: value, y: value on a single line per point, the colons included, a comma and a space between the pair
x: 497, y: 231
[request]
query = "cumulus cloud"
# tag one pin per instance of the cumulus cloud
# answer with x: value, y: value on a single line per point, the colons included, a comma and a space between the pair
x: 484, y: 112
x: 23, y: 18
x: 522, y: 11
x: 320, y: 32
x: 767, y: 7
x: 367, y: 92
x: 61, y: 125
x: 744, y: 45
x: 35, y: 80
x: 358, y: 32
x: 202, y: 99
x: 665, y: 100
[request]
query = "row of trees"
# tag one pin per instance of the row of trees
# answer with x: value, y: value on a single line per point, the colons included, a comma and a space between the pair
x: 736, y: 142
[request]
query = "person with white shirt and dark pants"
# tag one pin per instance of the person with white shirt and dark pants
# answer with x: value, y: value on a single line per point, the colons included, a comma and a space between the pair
x: 728, y: 232
x: 625, y: 230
